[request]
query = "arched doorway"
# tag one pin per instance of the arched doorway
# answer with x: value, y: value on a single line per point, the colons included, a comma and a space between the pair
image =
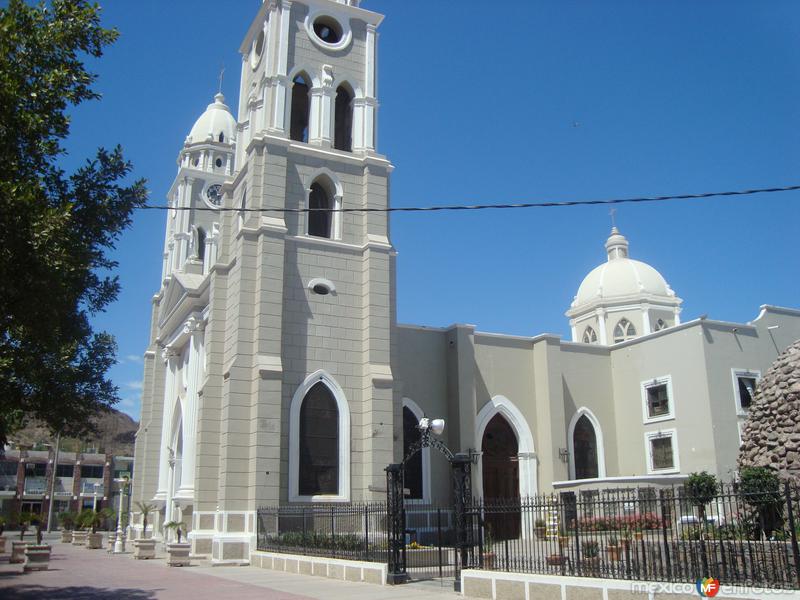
x: 584, y: 443
x: 500, y: 473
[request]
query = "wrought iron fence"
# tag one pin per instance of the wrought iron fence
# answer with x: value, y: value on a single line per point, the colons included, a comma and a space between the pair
x: 351, y: 531
x: 648, y: 534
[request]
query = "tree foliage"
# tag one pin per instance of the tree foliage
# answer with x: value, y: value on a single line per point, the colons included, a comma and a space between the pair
x: 57, y: 229
x: 701, y: 488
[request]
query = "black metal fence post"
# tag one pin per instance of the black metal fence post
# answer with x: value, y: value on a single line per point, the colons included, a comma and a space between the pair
x: 664, y: 515
x: 396, y: 524
x: 462, y: 496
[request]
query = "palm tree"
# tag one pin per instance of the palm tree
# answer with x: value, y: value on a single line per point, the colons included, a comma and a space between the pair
x: 145, y: 509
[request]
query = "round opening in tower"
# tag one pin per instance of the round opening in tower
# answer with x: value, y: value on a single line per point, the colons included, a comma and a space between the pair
x: 328, y: 30
x: 258, y: 49
x: 321, y: 289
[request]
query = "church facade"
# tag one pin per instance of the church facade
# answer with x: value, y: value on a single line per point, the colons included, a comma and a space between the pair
x: 277, y: 372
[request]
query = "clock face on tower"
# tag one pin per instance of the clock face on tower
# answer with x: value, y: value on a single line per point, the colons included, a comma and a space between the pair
x: 214, y: 194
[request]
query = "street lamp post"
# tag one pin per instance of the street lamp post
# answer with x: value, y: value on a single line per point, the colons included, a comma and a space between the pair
x: 94, y: 502
x: 119, y: 544
x: 53, y: 473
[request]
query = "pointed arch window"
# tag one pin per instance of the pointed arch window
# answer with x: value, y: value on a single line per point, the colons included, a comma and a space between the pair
x: 584, y: 441
x: 413, y: 470
x: 320, y: 218
x: 624, y: 331
x: 300, y: 109
x: 589, y: 336
x: 221, y: 138
x: 343, y: 124
x: 319, y: 443
x: 660, y: 324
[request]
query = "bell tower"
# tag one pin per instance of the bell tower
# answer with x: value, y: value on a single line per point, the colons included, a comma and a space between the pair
x: 299, y: 401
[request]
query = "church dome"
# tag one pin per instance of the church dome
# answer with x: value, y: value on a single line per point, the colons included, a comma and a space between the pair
x: 621, y: 277
x: 215, y: 122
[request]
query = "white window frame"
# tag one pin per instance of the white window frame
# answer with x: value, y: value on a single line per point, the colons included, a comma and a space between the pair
x: 344, y: 440
x: 735, y: 375
x: 657, y: 381
x: 649, y: 436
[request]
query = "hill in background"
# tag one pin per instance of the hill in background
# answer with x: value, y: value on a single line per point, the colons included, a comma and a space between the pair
x: 116, y: 435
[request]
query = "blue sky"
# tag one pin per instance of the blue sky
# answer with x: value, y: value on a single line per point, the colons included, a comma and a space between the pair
x: 493, y: 102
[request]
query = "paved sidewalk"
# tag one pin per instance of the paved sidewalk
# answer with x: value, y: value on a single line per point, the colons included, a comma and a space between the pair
x: 80, y: 574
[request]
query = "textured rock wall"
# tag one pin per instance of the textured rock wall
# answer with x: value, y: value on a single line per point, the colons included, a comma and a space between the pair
x: 771, y: 435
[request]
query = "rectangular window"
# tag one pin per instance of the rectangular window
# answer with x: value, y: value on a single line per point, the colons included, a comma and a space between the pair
x: 65, y: 470
x: 8, y: 468
x: 662, y: 451
x: 744, y: 388
x: 35, y: 469
x: 91, y: 471
x: 657, y: 400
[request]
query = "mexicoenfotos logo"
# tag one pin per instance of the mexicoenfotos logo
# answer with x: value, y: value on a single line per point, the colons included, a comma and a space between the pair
x: 707, y: 587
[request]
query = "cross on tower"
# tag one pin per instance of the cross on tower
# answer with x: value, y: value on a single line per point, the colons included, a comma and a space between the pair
x: 613, y: 212
x: 221, y: 77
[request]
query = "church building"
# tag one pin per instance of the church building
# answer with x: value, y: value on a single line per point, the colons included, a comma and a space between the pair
x: 277, y: 372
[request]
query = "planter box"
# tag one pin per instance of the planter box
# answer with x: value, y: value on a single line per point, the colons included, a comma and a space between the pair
x: 2, y: 545
x: 17, y: 551
x: 144, y: 549
x: 37, y: 557
x: 79, y: 538
x: 178, y: 554
x: 112, y: 538
x: 555, y: 560
x: 613, y: 552
x: 66, y: 536
x: 94, y: 541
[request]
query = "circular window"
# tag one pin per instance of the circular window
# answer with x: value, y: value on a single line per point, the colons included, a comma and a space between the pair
x: 328, y: 30
x: 321, y: 289
x: 218, y: 163
x: 214, y: 194
x: 258, y: 49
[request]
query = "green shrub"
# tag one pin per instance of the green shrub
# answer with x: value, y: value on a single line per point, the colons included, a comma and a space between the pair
x: 701, y: 488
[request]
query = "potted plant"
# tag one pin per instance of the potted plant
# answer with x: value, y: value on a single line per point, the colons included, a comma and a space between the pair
x: 638, y: 534
x: 541, y: 528
x: 144, y: 548
x: 613, y: 548
x: 556, y: 560
x: 23, y: 520
x: 80, y: 533
x: 37, y: 556
x: 67, y: 520
x: 563, y: 539
x: 177, y: 552
x: 591, y: 555
x: 488, y: 549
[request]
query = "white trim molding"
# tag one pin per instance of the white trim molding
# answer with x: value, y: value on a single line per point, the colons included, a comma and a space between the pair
x: 426, y: 453
x: 343, y: 495
x: 649, y: 436
x: 656, y: 382
x: 735, y: 375
x: 341, y: 20
x: 528, y: 465
x: 598, y: 434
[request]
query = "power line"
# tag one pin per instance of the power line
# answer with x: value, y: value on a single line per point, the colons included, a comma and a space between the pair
x: 454, y: 207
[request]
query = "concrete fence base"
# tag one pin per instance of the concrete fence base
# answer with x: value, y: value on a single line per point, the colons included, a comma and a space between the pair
x: 512, y: 586
x: 333, y: 568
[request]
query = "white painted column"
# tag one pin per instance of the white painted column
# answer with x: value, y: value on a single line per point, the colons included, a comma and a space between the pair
x: 601, y: 324
x: 371, y: 85
x: 574, y: 331
x: 194, y: 327
x: 278, y: 65
x: 171, y: 361
x: 677, y: 316
x: 646, y: 328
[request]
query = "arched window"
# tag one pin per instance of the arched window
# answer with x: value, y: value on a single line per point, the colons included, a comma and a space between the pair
x: 624, y: 331
x: 298, y: 127
x: 584, y: 443
x: 343, y: 124
x: 201, y: 244
x: 660, y: 324
x: 589, y: 336
x: 319, y: 217
x: 319, y: 443
x: 221, y: 138
x: 413, y: 470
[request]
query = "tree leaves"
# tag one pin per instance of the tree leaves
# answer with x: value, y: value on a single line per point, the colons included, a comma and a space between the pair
x: 56, y: 230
